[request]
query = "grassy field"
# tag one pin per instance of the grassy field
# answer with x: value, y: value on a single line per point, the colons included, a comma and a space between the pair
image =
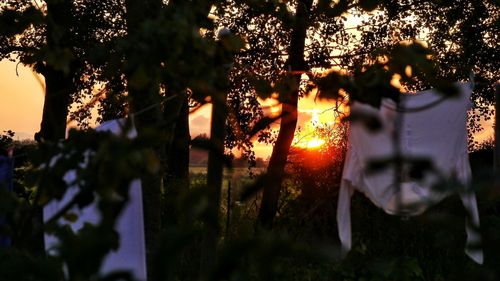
x: 237, y: 177
x: 227, y: 172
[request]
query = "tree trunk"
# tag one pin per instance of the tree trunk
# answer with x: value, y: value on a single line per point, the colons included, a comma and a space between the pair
x: 151, y: 185
x: 176, y: 178
x: 223, y: 64
x: 178, y: 158
x: 145, y: 98
x: 58, y: 85
x: 214, y: 182
x: 55, y: 107
x: 176, y: 117
x: 276, y: 168
x: 58, y: 89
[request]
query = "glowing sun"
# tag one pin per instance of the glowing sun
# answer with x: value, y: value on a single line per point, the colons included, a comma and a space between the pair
x: 310, y: 143
x: 313, y: 143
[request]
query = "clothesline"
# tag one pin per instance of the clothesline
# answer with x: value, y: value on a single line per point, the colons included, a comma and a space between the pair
x: 139, y: 112
x: 293, y: 72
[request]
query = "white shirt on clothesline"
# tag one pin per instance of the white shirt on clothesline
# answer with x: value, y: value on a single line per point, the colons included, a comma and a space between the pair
x: 437, y: 132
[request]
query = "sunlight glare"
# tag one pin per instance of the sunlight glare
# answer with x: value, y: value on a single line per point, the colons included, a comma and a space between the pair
x: 310, y: 143
x: 313, y: 143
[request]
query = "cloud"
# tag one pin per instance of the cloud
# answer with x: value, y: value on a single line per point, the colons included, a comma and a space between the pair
x: 304, y: 117
x: 200, y: 121
x: 199, y: 125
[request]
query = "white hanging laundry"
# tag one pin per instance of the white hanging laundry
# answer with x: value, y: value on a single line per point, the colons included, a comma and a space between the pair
x: 437, y: 132
x: 131, y: 254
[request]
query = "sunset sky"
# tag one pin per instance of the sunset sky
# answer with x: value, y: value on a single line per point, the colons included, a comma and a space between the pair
x: 21, y: 103
x: 21, y: 100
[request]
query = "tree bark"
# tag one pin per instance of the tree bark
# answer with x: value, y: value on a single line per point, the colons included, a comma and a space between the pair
x: 58, y: 90
x: 276, y: 168
x: 176, y: 118
x: 146, y: 100
x: 214, y: 182
x: 58, y: 85
x: 176, y: 178
x: 55, y: 106
x: 215, y: 170
x: 178, y: 158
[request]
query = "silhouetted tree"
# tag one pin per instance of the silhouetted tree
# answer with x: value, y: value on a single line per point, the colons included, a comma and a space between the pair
x: 363, y: 38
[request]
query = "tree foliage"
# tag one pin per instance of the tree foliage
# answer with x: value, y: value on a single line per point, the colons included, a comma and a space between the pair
x: 364, y: 45
x: 348, y: 36
x: 145, y: 59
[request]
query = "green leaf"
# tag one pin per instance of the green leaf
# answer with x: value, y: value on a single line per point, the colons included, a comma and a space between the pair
x: 140, y: 78
x: 71, y: 217
x: 415, y: 268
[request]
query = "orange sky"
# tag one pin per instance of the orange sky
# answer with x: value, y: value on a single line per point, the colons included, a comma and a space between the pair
x: 21, y: 100
x: 309, y: 111
x: 21, y: 103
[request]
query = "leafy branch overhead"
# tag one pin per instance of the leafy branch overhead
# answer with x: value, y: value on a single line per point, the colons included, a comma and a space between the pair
x: 372, y: 82
x: 157, y: 61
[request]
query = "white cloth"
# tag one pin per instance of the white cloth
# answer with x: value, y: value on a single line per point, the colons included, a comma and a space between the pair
x: 437, y: 132
x: 131, y: 254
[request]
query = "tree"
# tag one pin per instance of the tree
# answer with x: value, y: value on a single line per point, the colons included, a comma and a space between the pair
x: 54, y: 39
x: 156, y: 61
x: 142, y: 71
x: 277, y: 162
x: 290, y: 39
x: 152, y: 55
x: 278, y: 55
x: 461, y: 34
x: 227, y: 45
x: 165, y: 60
x: 165, y: 51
